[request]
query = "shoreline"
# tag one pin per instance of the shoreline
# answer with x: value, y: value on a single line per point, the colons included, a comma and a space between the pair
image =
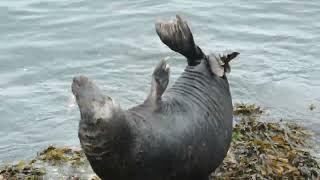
x: 259, y: 149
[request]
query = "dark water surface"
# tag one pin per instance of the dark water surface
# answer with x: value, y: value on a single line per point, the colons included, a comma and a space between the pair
x: 43, y: 44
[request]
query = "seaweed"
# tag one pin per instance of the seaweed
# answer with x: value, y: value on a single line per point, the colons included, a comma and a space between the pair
x: 55, y: 155
x: 259, y: 150
x: 241, y: 109
x: 267, y: 150
x: 52, y: 162
x: 21, y: 170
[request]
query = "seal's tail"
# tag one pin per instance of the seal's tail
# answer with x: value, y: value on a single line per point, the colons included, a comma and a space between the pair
x: 178, y: 37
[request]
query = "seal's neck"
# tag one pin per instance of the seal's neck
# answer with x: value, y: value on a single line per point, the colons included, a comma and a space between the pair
x: 101, y: 137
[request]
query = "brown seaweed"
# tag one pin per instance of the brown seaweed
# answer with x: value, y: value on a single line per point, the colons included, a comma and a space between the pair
x: 259, y: 150
x: 267, y: 150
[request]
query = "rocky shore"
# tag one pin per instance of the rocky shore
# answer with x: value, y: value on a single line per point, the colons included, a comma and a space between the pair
x: 259, y: 150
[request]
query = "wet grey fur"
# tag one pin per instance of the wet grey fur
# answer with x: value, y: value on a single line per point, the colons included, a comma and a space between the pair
x: 180, y: 133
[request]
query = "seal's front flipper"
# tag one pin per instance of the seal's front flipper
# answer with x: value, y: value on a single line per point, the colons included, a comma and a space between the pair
x: 160, y: 80
x: 178, y: 37
x: 219, y: 65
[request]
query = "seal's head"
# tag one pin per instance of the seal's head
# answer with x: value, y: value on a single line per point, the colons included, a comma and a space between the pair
x: 92, y: 103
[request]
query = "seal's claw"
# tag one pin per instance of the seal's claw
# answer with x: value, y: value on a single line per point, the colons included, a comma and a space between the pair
x: 161, y: 69
x: 167, y: 68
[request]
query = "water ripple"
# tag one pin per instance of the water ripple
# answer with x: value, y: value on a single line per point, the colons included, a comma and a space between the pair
x: 43, y: 44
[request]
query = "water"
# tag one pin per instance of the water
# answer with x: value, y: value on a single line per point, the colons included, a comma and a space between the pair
x: 43, y: 44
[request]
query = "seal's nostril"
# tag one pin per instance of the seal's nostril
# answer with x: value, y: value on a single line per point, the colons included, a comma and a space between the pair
x: 76, y: 80
x: 80, y: 80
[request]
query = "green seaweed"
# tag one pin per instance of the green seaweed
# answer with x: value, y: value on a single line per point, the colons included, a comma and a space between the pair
x: 259, y: 150
x: 246, y: 109
x: 267, y: 150
x: 54, y: 155
x: 49, y: 157
x: 21, y: 170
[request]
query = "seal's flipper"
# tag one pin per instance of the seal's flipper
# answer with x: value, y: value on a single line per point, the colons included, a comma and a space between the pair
x: 160, y: 80
x: 178, y: 37
x: 219, y: 65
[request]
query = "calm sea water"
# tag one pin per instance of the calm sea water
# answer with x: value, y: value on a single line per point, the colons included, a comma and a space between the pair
x: 43, y: 44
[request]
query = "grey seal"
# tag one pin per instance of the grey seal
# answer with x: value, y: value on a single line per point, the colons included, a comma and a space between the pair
x: 181, y: 132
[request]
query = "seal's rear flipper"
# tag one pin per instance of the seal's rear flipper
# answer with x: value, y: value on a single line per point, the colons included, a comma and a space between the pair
x: 178, y: 37
x: 219, y: 65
